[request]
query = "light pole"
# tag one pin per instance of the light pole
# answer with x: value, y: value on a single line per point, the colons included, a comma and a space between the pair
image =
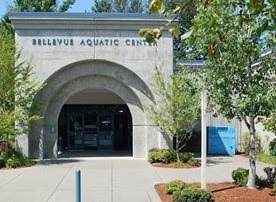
x: 203, y: 138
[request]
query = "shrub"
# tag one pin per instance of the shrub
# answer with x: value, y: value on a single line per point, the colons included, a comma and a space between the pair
x: 272, y: 147
x: 240, y: 176
x: 192, y: 195
x: 162, y: 156
x: 2, y: 163
x: 175, y: 185
x: 168, y: 156
x: 7, y: 154
x: 14, y: 162
x: 153, y: 157
x: 13, y: 159
x: 186, y: 156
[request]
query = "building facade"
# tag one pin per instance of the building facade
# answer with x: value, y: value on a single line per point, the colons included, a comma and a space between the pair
x: 97, y: 75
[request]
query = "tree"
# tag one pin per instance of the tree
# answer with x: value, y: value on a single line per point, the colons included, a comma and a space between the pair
x: 102, y: 6
x: 118, y: 6
x: 35, y: 6
x: 185, y: 18
x: 240, y: 79
x: 40, y: 5
x: 17, y: 90
x: 177, y: 108
x: 136, y: 6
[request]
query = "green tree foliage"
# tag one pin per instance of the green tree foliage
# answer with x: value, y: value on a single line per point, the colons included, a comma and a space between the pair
x: 40, y: 5
x: 119, y: 6
x: 177, y: 108
x: 270, y: 123
x: 102, y: 6
x: 245, y: 10
x: 17, y: 89
x: 136, y: 6
x: 185, y: 18
x: 240, y: 79
x: 35, y: 6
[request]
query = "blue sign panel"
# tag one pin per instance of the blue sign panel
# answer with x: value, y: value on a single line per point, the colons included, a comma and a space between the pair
x: 221, y: 140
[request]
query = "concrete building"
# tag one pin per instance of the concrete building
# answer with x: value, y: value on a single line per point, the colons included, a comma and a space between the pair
x: 97, y: 74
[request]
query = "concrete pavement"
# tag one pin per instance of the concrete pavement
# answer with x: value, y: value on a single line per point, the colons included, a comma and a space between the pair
x: 105, y: 179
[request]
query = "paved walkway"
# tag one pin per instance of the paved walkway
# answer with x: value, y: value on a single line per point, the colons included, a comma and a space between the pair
x: 105, y: 180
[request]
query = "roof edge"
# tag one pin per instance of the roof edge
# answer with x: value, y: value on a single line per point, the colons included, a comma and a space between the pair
x: 84, y: 16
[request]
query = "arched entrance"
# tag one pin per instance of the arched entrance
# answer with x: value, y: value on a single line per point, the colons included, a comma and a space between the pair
x: 64, y: 87
x: 94, y: 120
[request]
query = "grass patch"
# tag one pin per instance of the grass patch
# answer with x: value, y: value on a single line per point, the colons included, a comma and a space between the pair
x: 267, y: 158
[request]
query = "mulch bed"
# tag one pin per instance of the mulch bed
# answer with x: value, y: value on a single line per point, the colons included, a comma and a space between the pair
x: 227, y: 192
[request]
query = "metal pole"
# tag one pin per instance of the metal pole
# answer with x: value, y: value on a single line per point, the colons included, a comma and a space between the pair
x: 203, y: 138
x: 77, y: 185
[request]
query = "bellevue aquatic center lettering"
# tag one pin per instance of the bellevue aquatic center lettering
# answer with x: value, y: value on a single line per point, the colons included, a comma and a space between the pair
x: 90, y: 42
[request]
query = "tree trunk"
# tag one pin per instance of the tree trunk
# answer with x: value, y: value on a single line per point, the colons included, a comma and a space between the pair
x: 177, y: 148
x: 252, y: 154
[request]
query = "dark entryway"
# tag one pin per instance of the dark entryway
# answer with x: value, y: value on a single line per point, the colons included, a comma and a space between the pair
x: 95, y: 127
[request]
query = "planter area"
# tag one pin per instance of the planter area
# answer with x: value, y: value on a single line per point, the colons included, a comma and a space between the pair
x: 12, y: 159
x: 167, y: 158
x: 227, y: 192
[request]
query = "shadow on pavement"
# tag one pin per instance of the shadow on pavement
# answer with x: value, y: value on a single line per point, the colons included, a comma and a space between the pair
x: 57, y: 161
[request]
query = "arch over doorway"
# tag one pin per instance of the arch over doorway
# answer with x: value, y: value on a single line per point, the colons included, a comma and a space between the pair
x: 77, y: 77
x: 94, y: 122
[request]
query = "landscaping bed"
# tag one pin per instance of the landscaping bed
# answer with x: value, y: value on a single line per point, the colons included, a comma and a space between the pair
x: 12, y: 159
x: 167, y: 158
x: 227, y: 192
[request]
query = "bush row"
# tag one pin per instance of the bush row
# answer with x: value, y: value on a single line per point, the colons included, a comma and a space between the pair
x: 12, y: 159
x: 182, y: 191
x: 168, y: 156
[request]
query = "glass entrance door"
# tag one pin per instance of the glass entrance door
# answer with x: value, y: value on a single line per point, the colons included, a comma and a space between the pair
x: 90, y: 130
x: 105, y: 133
x: 75, y: 130
x: 89, y: 127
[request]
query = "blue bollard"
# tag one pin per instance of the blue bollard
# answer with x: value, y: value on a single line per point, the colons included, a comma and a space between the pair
x: 77, y: 185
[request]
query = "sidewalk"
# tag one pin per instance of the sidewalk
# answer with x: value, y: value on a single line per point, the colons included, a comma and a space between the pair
x: 105, y: 180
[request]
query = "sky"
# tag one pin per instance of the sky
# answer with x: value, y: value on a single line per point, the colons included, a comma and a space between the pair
x: 79, y: 6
